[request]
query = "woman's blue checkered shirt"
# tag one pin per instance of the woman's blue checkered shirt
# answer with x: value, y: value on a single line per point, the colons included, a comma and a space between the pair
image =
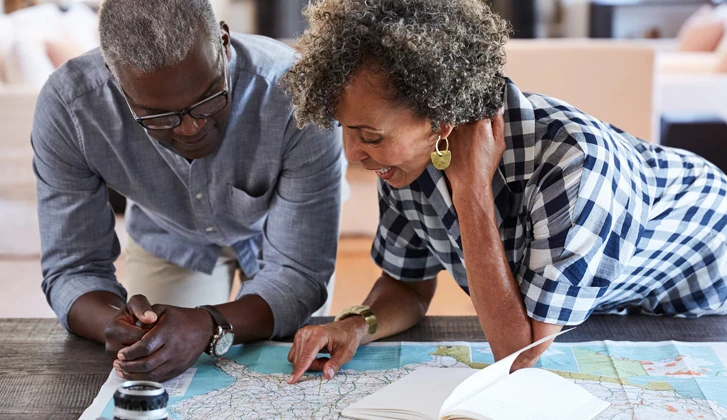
x: 592, y: 220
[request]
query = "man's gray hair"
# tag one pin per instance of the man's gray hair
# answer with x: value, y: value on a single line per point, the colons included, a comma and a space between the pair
x: 151, y: 35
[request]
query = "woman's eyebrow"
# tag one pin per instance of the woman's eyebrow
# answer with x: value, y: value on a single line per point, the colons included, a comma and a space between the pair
x: 368, y: 127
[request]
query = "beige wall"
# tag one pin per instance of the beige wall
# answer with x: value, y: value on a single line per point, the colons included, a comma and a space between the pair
x: 239, y: 14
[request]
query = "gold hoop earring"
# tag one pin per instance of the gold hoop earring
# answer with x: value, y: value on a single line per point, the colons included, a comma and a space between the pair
x: 441, y: 158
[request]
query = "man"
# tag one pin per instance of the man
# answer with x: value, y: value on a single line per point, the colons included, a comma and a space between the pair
x: 187, y: 121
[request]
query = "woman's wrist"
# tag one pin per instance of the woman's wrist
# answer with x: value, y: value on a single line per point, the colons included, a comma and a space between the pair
x: 356, y: 324
x: 474, y: 201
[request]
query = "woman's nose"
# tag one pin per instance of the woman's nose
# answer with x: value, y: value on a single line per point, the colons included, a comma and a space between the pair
x: 354, y: 153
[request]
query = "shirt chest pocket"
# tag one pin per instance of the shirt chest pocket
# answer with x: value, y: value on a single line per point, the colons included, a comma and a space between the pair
x: 248, y: 209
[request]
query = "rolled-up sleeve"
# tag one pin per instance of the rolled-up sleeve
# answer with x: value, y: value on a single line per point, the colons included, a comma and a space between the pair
x: 300, y: 237
x: 78, y: 242
x: 397, y: 248
x: 572, y: 257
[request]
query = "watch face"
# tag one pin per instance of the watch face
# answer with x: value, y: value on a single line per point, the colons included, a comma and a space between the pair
x: 224, y: 343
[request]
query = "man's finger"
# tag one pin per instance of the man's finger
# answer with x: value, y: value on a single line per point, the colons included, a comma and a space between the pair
x: 123, y: 333
x: 151, y: 342
x: 160, y: 374
x: 141, y: 308
x: 143, y: 364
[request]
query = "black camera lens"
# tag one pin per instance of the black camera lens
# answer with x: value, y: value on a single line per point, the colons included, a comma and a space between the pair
x: 141, y: 400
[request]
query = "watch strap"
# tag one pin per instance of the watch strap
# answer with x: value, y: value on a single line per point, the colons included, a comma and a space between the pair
x: 217, y: 316
x: 221, y: 327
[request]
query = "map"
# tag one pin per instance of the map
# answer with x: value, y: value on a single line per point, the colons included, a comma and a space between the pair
x: 665, y: 380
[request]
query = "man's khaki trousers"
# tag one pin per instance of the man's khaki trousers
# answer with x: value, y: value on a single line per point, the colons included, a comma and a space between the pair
x: 163, y: 282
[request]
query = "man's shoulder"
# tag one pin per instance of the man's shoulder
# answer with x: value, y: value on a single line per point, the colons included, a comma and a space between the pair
x: 262, y: 56
x: 80, y: 76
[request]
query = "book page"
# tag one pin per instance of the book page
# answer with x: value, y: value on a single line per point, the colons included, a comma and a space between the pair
x: 488, y: 376
x: 531, y: 394
x: 418, y: 395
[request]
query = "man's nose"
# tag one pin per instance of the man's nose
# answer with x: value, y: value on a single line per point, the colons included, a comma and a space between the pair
x: 189, y: 126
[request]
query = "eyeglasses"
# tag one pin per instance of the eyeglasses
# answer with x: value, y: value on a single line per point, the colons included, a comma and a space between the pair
x: 201, y: 110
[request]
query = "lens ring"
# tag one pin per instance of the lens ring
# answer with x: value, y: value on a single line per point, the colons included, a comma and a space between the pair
x: 139, y: 400
x: 150, y: 388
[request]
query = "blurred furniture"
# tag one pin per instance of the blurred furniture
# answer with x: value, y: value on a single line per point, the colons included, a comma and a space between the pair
x: 10, y: 6
x: 702, y: 133
x: 280, y: 18
x: 19, y: 228
x: 610, y: 80
x: 522, y: 15
x: 33, y: 42
x: 690, y: 81
x: 283, y: 18
x: 674, y: 62
x: 640, y: 18
x: 693, y: 92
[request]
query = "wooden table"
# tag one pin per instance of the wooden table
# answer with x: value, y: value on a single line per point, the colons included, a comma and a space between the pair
x: 46, y: 373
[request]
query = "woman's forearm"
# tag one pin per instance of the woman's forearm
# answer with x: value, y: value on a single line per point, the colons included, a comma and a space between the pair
x: 493, y: 288
x: 397, y: 305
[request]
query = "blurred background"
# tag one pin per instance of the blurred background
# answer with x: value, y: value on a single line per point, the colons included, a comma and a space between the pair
x: 656, y: 68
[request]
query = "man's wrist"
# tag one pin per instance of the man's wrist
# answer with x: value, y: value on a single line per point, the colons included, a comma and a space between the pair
x: 207, y: 323
x: 103, y: 304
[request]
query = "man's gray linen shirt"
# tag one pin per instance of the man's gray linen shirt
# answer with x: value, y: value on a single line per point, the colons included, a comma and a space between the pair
x: 271, y: 191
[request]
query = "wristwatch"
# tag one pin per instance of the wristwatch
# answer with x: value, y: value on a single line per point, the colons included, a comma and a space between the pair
x: 362, y: 310
x: 223, y: 337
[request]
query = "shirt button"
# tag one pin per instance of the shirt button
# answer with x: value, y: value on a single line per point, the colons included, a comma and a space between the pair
x: 199, y: 196
x: 210, y: 229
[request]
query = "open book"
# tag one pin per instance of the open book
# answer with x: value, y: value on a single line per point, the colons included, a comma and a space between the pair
x: 490, y: 393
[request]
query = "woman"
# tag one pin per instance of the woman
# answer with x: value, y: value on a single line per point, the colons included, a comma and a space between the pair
x: 542, y: 213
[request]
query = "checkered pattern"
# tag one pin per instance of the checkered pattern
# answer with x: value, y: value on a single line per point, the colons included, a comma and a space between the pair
x: 591, y: 218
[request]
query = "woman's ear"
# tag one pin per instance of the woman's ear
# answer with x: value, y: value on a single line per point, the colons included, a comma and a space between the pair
x: 445, y: 130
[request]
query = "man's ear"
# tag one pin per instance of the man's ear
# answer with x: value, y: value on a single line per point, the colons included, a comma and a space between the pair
x: 226, y: 38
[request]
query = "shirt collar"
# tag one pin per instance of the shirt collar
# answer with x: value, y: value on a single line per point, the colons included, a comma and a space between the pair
x: 518, y: 161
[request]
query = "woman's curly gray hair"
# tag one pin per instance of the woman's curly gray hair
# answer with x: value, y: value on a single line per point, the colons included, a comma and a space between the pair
x: 443, y: 59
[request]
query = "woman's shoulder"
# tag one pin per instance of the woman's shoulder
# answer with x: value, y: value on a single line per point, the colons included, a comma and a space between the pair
x: 550, y: 129
x: 560, y: 126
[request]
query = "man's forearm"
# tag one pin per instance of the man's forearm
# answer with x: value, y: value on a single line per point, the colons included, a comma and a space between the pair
x: 493, y: 288
x: 251, y: 318
x: 92, y: 312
